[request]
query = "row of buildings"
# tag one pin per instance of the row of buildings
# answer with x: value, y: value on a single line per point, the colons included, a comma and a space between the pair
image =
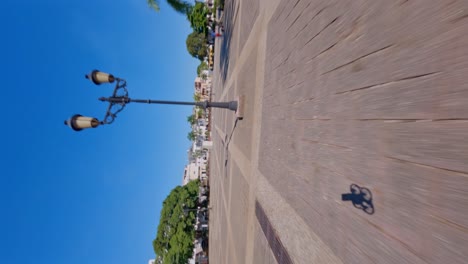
x: 198, y: 157
x: 198, y: 166
x: 198, y: 154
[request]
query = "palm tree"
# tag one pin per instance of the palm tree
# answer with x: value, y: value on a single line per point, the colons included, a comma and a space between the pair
x: 153, y: 4
x: 191, y: 136
x: 191, y: 119
x: 180, y: 6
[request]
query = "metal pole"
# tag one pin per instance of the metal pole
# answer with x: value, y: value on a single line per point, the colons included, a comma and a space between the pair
x: 124, y: 100
x: 228, y: 105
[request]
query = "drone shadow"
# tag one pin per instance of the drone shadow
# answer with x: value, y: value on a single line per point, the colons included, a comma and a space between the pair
x: 361, y: 198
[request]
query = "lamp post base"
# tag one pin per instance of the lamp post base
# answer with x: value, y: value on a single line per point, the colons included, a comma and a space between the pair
x: 232, y: 105
x: 240, y: 106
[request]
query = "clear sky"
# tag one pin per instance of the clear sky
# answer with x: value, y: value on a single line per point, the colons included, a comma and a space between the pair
x: 92, y: 196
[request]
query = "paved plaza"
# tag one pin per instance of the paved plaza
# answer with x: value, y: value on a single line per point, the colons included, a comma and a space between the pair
x: 369, y: 93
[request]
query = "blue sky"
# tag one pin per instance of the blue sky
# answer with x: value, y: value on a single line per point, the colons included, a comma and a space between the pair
x: 92, y: 196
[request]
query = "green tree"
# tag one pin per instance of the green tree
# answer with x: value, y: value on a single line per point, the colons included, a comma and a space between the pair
x: 198, y: 153
x: 197, y: 18
x: 191, y: 136
x: 201, y: 67
x: 219, y: 3
x: 175, y: 234
x: 200, y: 113
x: 182, y: 7
x: 191, y: 119
x: 154, y: 4
x: 196, y: 45
x: 196, y: 97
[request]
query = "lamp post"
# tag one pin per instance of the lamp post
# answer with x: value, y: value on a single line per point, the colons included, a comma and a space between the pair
x: 120, y: 99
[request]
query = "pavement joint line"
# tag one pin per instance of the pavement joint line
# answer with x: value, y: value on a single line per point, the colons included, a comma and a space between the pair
x: 236, y: 154
x: 303, y: 245
x: 240, y: 159
x: 261, y: 22
x: 219, y: 177
x: 242, y: 162
x: 279, y: 251
x: 252, y: 43
x: 239, y: 8
x: 220, y: 206
x: 220, y: 133
x: 255, y: 150
x: 232, y: 247
x: 220, y: 186
x: 227, y: 212
x: 249, y: 45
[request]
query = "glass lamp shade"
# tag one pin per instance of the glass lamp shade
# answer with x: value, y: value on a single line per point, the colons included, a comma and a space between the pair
x: 98, y: 77
x: 79, y: 122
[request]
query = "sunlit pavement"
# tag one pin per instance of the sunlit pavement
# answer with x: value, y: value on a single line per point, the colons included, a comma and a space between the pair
x: 340, y: 94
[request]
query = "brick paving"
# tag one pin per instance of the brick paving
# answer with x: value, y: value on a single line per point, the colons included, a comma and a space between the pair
x: 373, y: 93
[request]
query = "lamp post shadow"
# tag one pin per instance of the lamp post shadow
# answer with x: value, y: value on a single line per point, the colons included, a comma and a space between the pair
x: 360, y: 197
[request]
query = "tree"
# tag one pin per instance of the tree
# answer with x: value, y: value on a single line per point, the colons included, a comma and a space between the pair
x: 153, y: 4
x: 196, y: 45
x: 191, y: 119
x: 175, y: 234
x: 191, y: 136
x: 219, y: 4
x: 200, y: 113
x: 182, y: 7
x: 203, y: 66
x: 196, y: 97
x: 197, y: 18
x: 198, y: 153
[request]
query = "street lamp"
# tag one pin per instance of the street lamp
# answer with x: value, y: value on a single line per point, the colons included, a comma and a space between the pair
x: 120, y: 99
x: 79, y: 122
x: 98, y: 77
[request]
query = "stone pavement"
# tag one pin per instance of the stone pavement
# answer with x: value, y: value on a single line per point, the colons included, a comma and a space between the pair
x: 373, y: 93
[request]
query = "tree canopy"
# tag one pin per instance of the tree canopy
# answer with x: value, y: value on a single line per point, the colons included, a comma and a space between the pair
x: 175, y: 235
x: 191, y: 119
x: 197, y: 18
x: 154, y: 4
x: 182, y: 7
x: 196, y: 45
x: 197, y: 98
x: 196, y: 15
x: 203, y: 66
x: 191, y: 136
x: 200, y: 112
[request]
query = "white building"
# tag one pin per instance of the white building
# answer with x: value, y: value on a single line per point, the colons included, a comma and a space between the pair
x: 191, y: 172
x: 197, y: 166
